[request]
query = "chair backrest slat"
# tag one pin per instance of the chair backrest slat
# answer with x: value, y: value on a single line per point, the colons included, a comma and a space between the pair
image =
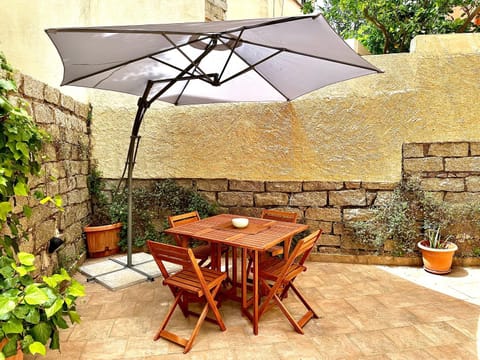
x: 272, y: 214
x: 177, y: 220
x: 172, y: 254
x: 304, y: 247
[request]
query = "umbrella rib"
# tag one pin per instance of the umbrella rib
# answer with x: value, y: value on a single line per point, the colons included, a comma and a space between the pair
x: 194, y: 63
x: 131, y: 61
x: 310, y: 55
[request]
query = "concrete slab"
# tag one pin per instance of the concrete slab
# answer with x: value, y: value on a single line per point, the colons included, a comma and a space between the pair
x: 114, y: 274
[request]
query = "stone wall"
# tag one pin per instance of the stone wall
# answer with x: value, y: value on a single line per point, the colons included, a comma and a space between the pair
x: 215, y: 10
x: 451, y: 170
x: 65, y: 173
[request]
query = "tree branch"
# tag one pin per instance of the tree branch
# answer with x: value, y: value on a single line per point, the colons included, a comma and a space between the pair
x: 469, y: 19
x: 380, y: 26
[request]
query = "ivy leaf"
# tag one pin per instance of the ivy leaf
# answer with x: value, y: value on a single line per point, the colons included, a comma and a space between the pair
x: 74, y: 317
x: 41, y: 332
x: 12, y: 326
x: 21, y: 189
x: 52, y: 310
x: 6, y: 305
x: 34, y: 295
x: 26, y: 259
x: 37, y: 348
x: 5, y: 209
x: 27, y: 211
x: 7, y: 85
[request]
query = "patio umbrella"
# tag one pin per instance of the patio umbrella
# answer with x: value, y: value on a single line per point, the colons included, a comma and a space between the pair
x: 275, y: 59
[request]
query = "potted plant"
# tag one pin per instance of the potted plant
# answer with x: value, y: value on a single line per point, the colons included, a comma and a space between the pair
x: 32, y: 312
x: 437, y: 252
x: 102, y: 233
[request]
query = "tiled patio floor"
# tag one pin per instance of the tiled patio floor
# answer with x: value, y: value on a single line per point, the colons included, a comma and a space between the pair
x: 366, y: 312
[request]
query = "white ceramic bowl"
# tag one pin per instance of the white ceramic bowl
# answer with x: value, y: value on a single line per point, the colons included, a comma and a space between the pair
x: 240, y: 223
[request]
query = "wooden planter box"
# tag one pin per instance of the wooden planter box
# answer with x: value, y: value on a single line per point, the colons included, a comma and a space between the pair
x: 103, y: 240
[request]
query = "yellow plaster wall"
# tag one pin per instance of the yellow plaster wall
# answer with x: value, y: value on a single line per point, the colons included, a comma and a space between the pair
x: 349, y: 131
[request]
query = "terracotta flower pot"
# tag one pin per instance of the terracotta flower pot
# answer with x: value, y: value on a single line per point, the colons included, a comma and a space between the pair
x: 17, y: 356
x: 103, y: 240
x: 437, y: 261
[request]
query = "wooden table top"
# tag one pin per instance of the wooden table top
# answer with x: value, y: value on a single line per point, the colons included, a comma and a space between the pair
x: 259, y: 235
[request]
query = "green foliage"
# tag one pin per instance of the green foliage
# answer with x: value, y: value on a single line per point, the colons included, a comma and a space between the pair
x: 404, y: 218
x: 32, y: 312
x: 150, y: 206
x: 388, y: 26
x: 100, y: 209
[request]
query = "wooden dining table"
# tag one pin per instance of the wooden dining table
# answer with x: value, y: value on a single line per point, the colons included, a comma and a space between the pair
x: 257, y: 237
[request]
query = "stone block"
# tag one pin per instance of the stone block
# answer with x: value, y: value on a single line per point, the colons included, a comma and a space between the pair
x: 351, y: 185
x: 328, y: 240
x: 475, y: 148
x: 210, y: 196
x: 443, y: 184
x: 33, y: 88
x: 423, y: 164
x: 81, y: 110
x: 284, y: 186
x: 383, y: 197
x: 357, y: 214
x: 235, y: 198
x: 338, y: 228
x: 321, y: 185
x: 379, y: 185
x: 60, y: 118
x: 472, y: 183
x: 51, y: 95
x: 314, y: 225
x: 67, y: 102
x: 463, y: 164
x: 347, y: 198
x: 462, y: 197
x: 43, y: 113
x: 452, y: 149
x: 245, y: 211
x: 325, y: 214
x: 239, y: 185
x: 309, y: 198
x: 413, y: 150
x: 271, y: 199
x: 44, y: 232
x: 212, y: 184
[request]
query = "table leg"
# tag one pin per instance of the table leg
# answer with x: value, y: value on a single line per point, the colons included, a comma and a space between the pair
x: 244, y: 279
x: 255, y: 292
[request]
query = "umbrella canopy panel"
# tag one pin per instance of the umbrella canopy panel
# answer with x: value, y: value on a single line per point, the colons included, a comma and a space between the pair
x: 196, y: 63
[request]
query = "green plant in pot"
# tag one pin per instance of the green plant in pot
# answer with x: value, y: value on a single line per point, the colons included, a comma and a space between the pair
x: 103, y: 232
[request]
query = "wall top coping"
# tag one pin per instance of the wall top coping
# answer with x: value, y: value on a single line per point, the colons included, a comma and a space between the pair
x: 434, y: 45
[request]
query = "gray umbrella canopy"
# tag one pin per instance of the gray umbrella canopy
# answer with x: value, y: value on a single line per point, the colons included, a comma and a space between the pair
x: 258, y: 60
x: 195, y: 63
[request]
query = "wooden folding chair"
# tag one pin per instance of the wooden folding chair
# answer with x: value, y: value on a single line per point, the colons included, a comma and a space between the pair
x: 277, y: 277
x: 192, y: 280
x: 277, y: 215
x: 201, y: 252
x: 286, y: 216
